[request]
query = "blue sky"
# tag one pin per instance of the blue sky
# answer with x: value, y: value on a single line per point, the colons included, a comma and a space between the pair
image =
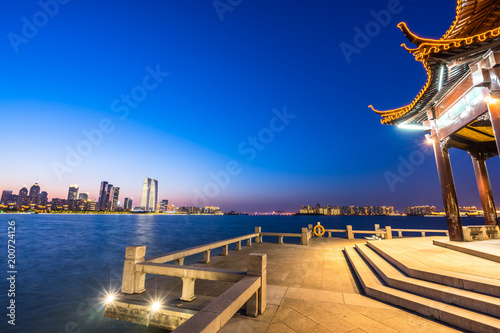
x: 200, y: 88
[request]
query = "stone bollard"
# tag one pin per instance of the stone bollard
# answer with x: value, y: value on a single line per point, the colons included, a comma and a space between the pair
x: 388, y: 231
x: 132, y: 281
x: 257, y: 266
x: 258, y: 239
x: 303, y: 237
x: 350, y: 234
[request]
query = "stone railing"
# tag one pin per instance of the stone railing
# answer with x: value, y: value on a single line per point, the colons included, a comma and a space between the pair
x: 304, y: 236
x: 480, y: 232
x: 178, y: 256
x: 249, y: 290
x: 381, y: 232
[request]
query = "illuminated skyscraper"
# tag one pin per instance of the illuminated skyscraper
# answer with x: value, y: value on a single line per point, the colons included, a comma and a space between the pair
x: 73, y: 192
x: 22, y: 199
x: 114, y: 201
x: 34, y: 192
x: 5, y: 197
x: 149, y: 197
x: 109, y: 198
x: 127, y: 204
x: 83, y: 196
x: 43, y: 198
x: 101, y: 204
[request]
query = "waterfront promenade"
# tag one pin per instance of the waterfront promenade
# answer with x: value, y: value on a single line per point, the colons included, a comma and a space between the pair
x: 310, y: 288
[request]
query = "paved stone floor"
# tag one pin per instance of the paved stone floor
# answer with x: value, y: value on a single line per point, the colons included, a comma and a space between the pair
x: 312, y: 289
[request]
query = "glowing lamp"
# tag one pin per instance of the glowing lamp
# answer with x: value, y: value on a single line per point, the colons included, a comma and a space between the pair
x: 429, y: 139
x: 110, y: 299
x: 411, y: 127
x: 155, y: 306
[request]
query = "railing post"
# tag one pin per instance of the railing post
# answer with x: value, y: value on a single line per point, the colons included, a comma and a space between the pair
x: 310, y: 226
x: 400, y: 233
x: 377, y: 227
x: 238, y: 246
x: 249, y: 241
x: 206, y: 256
x: 303, y: 238
x: 258, y: 239
x: 187, y: 289
x: 132, y: 281
x: 388, y: 231
x: 225, y: 250
x: 257, y: 266
x: 280, y: 239
x: 329, y: 234
x: 179, y: 261
x: 422, y: 233
x: 350, y: 234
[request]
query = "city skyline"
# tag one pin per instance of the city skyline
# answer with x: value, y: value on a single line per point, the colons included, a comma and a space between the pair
x: 221, y: 109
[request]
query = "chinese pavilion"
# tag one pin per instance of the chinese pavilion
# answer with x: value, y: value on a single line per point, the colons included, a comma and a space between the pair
x: 459, y: 105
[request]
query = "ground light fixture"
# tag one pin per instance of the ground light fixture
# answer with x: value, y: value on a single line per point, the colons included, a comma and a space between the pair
x: 155, y: 306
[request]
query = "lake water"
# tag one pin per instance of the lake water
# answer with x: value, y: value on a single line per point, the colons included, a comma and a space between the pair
x: 65, y: 262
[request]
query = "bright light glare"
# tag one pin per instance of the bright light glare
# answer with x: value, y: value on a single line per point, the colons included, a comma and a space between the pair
x: 110, y: 299
x: 155, y: 306
x: 489, y: 99
x: 411, y: 127
x: 429, y: 139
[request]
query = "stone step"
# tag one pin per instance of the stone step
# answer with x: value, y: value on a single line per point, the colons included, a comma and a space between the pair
x: 453, y: 315
x: 394, y: 278
x: 418, y: 270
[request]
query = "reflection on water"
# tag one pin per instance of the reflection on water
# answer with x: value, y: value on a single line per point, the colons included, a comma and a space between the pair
x: 65, y: 262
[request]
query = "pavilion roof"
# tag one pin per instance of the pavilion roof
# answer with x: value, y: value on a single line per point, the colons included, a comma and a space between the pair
x: 476, y: 29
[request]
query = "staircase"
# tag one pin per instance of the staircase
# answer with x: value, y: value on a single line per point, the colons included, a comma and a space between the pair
x: 396, y: 272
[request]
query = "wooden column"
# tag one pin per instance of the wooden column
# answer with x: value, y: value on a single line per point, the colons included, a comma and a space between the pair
x: 484, y: 187
x: 494, y: 110
x: 447, y: 186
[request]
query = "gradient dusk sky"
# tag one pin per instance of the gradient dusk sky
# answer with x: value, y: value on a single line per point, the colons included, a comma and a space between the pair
x: 179, y: 90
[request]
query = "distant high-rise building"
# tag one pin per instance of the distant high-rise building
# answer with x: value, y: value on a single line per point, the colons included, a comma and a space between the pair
x: 5, y: 197
x: 127, y: 204
x: 109, y: 197
x: 149, y: 197
x: 101, y: 204
x: 43, y: 198
x: 163, y: 205
x: 83, y: 196
x: 114, y: 202
x: 73, y: 192
x: 22, y: 199
x: 34, y: 192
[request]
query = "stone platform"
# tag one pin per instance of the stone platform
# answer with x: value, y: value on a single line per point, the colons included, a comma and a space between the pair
x: 487, y: 249
x: 310, y: 288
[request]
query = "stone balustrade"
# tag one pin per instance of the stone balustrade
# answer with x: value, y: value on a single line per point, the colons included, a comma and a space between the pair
x: 480, y: 232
